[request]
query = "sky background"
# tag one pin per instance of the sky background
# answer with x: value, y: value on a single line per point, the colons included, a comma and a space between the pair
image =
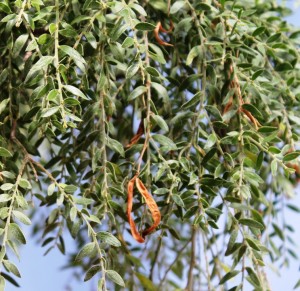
x: 43, y: 273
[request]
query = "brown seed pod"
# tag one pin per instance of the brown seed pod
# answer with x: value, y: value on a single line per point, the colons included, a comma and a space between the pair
x: 155, y: 213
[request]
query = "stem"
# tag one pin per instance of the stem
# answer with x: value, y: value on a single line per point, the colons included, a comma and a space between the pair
x: 172, y: 264
x: 190, y: 282
x: 103, y: 149
x: 20, y: 15
x: 157, y: 250
x: 148, y: 127
x: 56, y: 63
x: 205, y: 244
x: 203, y: 85
x: 17, y: 142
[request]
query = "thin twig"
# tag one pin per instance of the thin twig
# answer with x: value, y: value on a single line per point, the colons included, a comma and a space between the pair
x: 190, y: 282
x: 172, y: 264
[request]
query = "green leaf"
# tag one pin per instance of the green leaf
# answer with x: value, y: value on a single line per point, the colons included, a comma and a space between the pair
x: 75, y: 91
x: 72, y: 102
x: 191, y: 212
x: 259, y: 160
x: 152, y: 71
x: 293, y: 208
x: 19, y: 44
x: 108, y: 238
x: 24, y: 184
x: 213, y: 212
x: 212, y: 224
x: 21, y: 217
x: 274, y: 167
x: 115, y: 146
x: 53, y: 95
x: 163, y: 191
x: 278, y: 231
x: 73, y: 213
x: 297, y: 285
x: 251, y: 223
x: 165, y: 141
x: 193, y: 101
x: 5, y: 153
x: 207, y: 190
x: 51, y: 189
x: 146, y: 282
x: 294, y: 119
x: 5, y: 8
x: 267, y: 129
x: 291, y: 156
x: 139, y: 9
x: 85, y: 251
x: 2, y: 253
x: 6, y: 186
x: 228, y: 276
x: 145, y: 26
x: 42, y: 63
x: 209, y: 155
x: 203, y: 7
x: 177, y: 199
x: 115, y: 277
x: 136, y: 93
x: 161, y: 91
x: 70, y: 189
x: 128, y: 42
x: 274, y: 37
x: 211, y: 140
x: 91, y: 272
x: 257, y: 216
x: 47, y: 112
x: 258, y: 31
x: 252, y: 109
x: 176, y: 6
x: 11, y: 268
x: 156, y: 54
x: 3, y: 104
x: 253, y: 178
x: 253, y: 276
x: 91, y: 39
x: 73, y: 117
x: 118, y: 31
x: 214, y: 111
x: 2, y: 283
x: 196, y: 51
x: 83, y: 201
x: 252, y: 244
x: 5, y: 197
x: 78, y: 59
x: 15, y: 233
x: 257, y: 74
x: 232, y: 240
x: 132, y: 70
x: 160, y: 122
x: 284, y: 67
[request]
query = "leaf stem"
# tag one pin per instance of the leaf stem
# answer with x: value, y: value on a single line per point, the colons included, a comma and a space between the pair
x: 56, y: 63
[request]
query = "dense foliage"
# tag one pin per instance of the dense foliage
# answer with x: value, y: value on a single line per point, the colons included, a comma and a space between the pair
x: 195, y: 102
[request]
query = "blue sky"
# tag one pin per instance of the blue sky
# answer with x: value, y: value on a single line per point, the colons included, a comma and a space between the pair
x: 43, y: 272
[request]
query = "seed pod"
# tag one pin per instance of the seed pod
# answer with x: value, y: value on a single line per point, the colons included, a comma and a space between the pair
x: 136, y: 235
x: 152, y: 206
x: 155, y: 213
